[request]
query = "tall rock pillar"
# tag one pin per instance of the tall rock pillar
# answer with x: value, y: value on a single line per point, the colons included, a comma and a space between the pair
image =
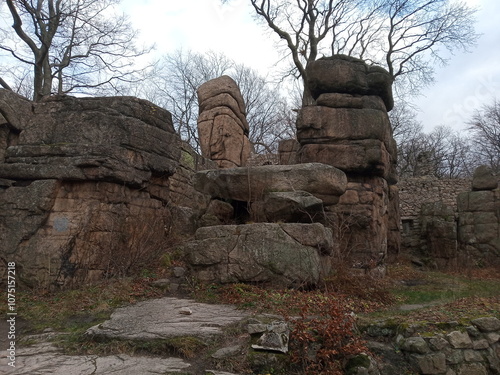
x: 349, y: 128
x: 222, y: 125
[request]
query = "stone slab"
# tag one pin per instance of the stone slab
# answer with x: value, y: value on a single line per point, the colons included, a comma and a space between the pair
x: 162, y: 318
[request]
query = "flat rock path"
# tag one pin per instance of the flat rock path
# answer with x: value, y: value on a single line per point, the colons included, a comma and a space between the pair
x: 154, y: 319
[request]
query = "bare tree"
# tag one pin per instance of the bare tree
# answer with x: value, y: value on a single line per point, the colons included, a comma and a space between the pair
x: 178, y: 76
x: 303, y: 26
x: 485, y: 129
x: 71, y: 45
x: 442, y: 153
x: 416, y: 31
x: 405, y: 36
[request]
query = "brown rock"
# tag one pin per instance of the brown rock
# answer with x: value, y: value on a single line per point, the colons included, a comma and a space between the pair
x: 348, y: 75
x: 225, y: 100
x: 287, y: 151
x: 336, y: 100
x: 221, y: 85
x: 291, y: 206
x: 484, y: 179
x: 222, y: 124
x: 15, y: 109
x: 316, y: 124
x: 362, y: 156
x: 85, y: 186
x: 253, y: 183
x: 94, y: 139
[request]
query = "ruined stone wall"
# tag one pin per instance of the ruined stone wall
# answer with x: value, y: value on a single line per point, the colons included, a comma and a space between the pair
x: 466, y: 348
x: 446, y: 223
x: 439, y: 196
x: 479, y: 220
x: 413, y: 192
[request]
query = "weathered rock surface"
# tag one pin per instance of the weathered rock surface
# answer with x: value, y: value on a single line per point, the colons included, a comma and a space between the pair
x: 290, y: 206
x: 484, y: 179
x: 348, y: 75
x: 47, y: 359
x: 222, y: 125
x: 287, y: 151
x: 439, y: 229
x: 253, y: 183
x: 479, y: 222
x: 368, y: 157
x: 318, y: 124
x: 349, y: 129
x: 285, y: 254
x: 103, y: 139
x: 89, y: 186
x: 162, y: 318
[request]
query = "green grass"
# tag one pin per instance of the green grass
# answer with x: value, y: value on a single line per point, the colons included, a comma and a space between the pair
x: 438, y: 287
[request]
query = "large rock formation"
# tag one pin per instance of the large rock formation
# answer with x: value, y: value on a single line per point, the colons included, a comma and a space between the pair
x: 88, y: 186
x: 253, y: 184
x: 479, y: 220
x: 349, y: 129
x: 269, y: 235
x: 280, y: 254
x: 222, y: 125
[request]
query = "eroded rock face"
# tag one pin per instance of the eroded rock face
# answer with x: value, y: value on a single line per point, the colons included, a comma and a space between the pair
x: 253, y: 183
x: 484, y: 179
x: 222, y: 125
x: 348, y: 75
x: 349, y: 129
x: 88, y: 186
x: 282, y: 254
x: 479, y: 221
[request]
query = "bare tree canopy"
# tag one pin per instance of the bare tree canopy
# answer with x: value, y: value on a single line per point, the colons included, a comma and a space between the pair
x: 69, y: 46
x: 178, y: 75
x: 446, y: 153
x: 406, y: 36
x: 485, y: 128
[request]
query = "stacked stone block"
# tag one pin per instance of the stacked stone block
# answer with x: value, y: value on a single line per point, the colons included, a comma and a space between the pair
x: 349, y: 129
x: 479, y: 220
x: 222, y: 125
x: 260, y: 226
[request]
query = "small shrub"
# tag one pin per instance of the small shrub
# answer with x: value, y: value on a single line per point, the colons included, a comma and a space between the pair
x: 323, y: 336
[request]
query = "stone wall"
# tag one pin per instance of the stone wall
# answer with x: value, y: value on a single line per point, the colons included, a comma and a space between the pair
x: 448, y: 349
x: 426, y: 204
x: 474, y: 351
x: 479, y: 220
x: 444, y: 222
x: 415, y: 191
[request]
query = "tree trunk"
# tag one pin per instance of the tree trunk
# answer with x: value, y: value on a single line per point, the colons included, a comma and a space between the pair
x: 307, y: 98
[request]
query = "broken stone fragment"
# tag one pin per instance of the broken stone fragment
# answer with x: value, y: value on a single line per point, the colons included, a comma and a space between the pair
x: 185, y: 311
x: 275, y: 338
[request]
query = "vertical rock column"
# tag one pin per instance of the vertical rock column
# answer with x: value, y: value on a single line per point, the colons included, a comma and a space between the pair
x: 349, y: 129
x: 479, y: 220
x: 222, y: 125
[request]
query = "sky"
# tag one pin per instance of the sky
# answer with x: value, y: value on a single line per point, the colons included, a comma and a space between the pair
x: 468, y: 82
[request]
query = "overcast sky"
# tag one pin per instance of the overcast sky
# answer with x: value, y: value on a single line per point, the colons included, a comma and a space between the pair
x: 465, y: 84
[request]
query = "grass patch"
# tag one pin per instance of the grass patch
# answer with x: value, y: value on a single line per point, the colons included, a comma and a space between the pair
x: 73, y: 311
x: 184, y: 347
